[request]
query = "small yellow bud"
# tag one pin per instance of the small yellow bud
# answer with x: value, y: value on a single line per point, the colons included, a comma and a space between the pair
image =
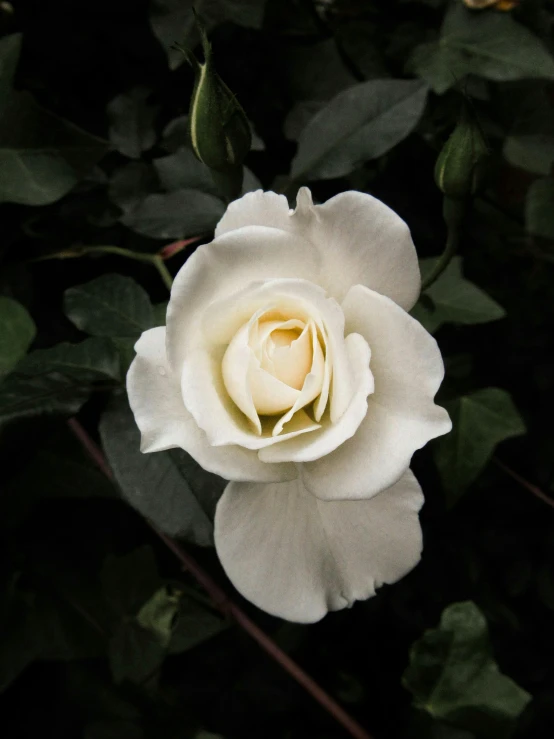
x: 498, y: 4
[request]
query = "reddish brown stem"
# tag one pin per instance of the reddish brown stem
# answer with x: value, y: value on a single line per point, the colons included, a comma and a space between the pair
x: 536, y: 491
x: 230, y: 609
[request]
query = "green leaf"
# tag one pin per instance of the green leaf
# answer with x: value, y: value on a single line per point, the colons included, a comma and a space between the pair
x: 454, y: 299
x: 453, y: 676
x: 25, y: 396
x: 165, y: 486
x: 111, y: 305
x: 42, y: 157
x: 530, y: 141
x: 134, y: 654
x: 481, y: 420
x: 539, y: 208
x: 89, y: 361
x: 195, y: 624
x: 130, y: 184
x: 57, y: 380
x: 172, y: 21
x: 132, y: 119
x: 359, y: 124
x: 159, y: 613
x: 175, y: 215
x: 491, y: 45
x: 182, y: 170
x: 17, y: 331
x: 10, y: 48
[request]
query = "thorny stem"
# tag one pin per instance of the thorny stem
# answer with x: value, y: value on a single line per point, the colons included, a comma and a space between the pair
x: 536, y: 491
x: 230, y: 609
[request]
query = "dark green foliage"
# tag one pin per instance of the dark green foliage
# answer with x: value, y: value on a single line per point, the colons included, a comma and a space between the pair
x: 102, y: 633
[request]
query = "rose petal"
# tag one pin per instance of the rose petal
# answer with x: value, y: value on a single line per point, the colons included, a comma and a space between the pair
x: 401, y: 415
x: 298, y: 557
x: 165, y: 423
x: 330, y: 436
x: 217, y: 270
x: 359, y: 238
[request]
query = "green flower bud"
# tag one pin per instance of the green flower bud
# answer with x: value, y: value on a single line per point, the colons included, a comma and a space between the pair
x: 459, y: 165
x: 219, y: 129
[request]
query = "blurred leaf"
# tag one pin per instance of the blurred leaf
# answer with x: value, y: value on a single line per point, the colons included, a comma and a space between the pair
x: 10, y: 48
x: 173, y: 22
x: 64, y: 629
x: 176, y: 134
x: 357, y: 125
x: 134, y: 654
x: 128, y: 582
x: 480, y: 421
x: 130, y: 184
x: 454, y: 677
x: 132, y: 120
x: 175, y: 215
x: 111, y: 305
x: 530, y: 141
x: 182, y: 171
x: 154, y: 483
x: 89, y: 361
x: 454, y: 299
x: 17, y: 331
x: 160, y: 312
x: 488, y: 44
x: 158, y: 615
x: 539, y: 208
x: 195, y: 624
x: 42, y: 157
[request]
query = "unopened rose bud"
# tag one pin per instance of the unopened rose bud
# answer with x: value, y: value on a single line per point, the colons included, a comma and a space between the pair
x: 459, y: 163
x: 219, y: 129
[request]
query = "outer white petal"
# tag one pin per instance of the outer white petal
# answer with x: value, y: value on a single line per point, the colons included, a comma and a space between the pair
x: 298, y: 557
x: 359, y: 238
x: 165, y: 423
x: 401, y: 416
x: 217, y: 270
x: 322, y: 442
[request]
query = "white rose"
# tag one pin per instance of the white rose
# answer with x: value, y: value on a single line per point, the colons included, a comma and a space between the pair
x: 290, y: 366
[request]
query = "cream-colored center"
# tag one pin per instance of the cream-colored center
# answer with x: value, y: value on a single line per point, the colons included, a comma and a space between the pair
x: 271, y: 366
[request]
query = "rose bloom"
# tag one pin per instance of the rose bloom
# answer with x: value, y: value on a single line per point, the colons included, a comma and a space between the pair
x: 290, y: 366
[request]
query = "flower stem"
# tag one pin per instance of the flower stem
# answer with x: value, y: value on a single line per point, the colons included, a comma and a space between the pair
x: 163, y: 271
x: 453, y: 213
x: 230, y: 609
x: 85, y: 251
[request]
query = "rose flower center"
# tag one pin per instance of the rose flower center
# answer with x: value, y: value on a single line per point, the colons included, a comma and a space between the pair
x: 273, y: 366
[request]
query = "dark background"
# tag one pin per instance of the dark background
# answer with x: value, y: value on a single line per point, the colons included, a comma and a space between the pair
x: 491, y: 543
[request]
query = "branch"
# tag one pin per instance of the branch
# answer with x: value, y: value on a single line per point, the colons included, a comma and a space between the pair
x: 536, y: 491
x: 230, y: 609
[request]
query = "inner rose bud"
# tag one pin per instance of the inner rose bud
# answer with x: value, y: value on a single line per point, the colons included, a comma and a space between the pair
x: 273, y: 366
